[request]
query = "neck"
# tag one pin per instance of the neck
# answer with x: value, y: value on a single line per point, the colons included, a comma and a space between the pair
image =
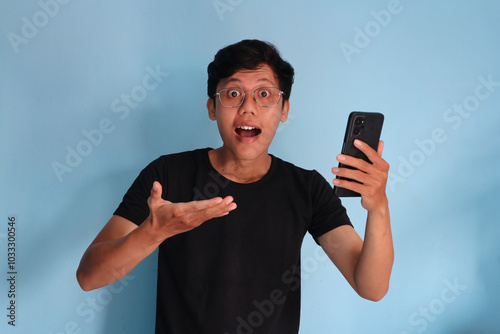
x: 239, y: 170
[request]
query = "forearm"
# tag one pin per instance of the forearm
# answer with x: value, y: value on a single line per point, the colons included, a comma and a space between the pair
x: 121, y: 245
x: 108, y: 261
x: 373, y: 269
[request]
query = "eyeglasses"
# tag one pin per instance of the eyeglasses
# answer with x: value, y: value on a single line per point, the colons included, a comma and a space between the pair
x: 264, y: 96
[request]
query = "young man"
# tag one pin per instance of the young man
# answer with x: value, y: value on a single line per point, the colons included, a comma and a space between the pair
x: 229, y: 222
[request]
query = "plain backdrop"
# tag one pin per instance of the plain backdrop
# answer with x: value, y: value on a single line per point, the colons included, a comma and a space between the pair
x: 92, y: 91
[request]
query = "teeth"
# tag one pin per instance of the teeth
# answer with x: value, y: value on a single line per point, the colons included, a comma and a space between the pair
x: 246, y: 127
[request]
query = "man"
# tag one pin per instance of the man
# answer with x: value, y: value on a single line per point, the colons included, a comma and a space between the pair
x: 229, y: 222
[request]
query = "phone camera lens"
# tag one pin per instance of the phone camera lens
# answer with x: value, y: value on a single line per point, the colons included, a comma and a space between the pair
x: 356, y: 132
x: 359, y: 121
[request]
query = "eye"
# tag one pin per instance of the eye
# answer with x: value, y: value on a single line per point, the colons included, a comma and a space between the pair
x: 264, y: 93
x: 233, y: 93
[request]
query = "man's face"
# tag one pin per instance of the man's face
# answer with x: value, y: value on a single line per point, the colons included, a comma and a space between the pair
x: 248, y: 130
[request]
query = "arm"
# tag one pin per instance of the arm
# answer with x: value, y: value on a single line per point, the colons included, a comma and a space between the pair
x: 365, y: 264
x: 121, y: 245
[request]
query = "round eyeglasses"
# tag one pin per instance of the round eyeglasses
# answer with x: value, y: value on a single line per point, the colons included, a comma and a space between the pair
x: 264, y: 96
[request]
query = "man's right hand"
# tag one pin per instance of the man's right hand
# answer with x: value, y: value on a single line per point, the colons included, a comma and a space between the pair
x: 121, y: 244
x: 167, y: 219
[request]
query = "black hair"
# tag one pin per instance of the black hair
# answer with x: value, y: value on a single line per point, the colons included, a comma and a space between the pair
x: 250, y: 55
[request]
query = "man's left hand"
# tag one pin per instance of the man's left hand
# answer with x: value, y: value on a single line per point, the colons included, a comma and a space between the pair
x: 372, y: 177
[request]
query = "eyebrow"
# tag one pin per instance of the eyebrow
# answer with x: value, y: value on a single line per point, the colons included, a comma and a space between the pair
x: 258, y: 80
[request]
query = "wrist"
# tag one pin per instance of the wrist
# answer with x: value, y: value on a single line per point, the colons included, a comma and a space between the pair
x: 380, y: 211
x: 149, y: 234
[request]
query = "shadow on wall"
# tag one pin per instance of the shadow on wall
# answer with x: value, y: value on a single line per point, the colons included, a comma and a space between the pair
x: 488, y: 264
x: 484, y: 314
x: 126, y: 306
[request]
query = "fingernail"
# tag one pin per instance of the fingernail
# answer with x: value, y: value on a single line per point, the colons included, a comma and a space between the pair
x: 358, y: 142
x: 340, y: 157
x: 336, y: 181
x: 335, y: 170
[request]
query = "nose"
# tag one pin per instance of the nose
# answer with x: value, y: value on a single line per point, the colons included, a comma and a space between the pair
x: 249, y: 104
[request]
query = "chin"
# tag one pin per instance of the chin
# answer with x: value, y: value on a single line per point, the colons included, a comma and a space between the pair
x: 247, y: 151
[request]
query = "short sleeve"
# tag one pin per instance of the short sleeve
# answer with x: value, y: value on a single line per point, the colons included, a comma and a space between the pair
x: 328, y: 212
x: 134, y: 205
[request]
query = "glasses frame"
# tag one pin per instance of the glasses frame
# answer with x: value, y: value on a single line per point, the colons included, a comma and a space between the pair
x: 218, y: 94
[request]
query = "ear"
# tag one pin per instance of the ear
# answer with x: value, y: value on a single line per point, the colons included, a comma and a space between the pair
x: 211, y: 109
x: 284, y: 110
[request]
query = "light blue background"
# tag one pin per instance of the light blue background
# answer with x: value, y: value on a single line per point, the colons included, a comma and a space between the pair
x: 426, y: 58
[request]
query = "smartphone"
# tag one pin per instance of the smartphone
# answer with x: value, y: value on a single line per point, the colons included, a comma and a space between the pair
x: 367, y: 127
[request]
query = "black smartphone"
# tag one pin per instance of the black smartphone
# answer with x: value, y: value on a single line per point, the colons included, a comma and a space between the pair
x: 367, y: 127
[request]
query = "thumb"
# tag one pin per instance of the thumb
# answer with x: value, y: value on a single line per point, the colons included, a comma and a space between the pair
x: 156, y: 191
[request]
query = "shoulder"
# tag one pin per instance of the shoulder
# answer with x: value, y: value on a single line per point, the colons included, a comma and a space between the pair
x: 298, y: 173
x: 172, y: 164
x: 179, y: 160
x: 289, y: 167
x: 181, y: 157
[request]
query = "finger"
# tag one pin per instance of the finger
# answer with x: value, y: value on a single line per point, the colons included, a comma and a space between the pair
x: 356, y: 175
x: 155, y: 194
x: 367, y: 174
x: 210, y: 210
x: 353, y: 162
x: 231, y: 205
x: 226, y: 206
x: 223, y: 207
x: 350, y: 185
x: 380, y: 147
x: 199, y: 205
x: 156, y: 190
x: 374, y: 158
x: 217, y: 203
x: 353, y: 174
x: 367, y: 150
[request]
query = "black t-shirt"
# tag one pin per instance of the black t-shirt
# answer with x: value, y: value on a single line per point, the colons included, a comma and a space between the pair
x: 239, y: 273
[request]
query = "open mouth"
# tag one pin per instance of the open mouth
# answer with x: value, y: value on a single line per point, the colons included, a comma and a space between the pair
x: 247, y: 131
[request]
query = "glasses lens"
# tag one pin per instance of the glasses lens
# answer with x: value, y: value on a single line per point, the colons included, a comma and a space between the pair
x: 231, y: 97
x: 267, y: 96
